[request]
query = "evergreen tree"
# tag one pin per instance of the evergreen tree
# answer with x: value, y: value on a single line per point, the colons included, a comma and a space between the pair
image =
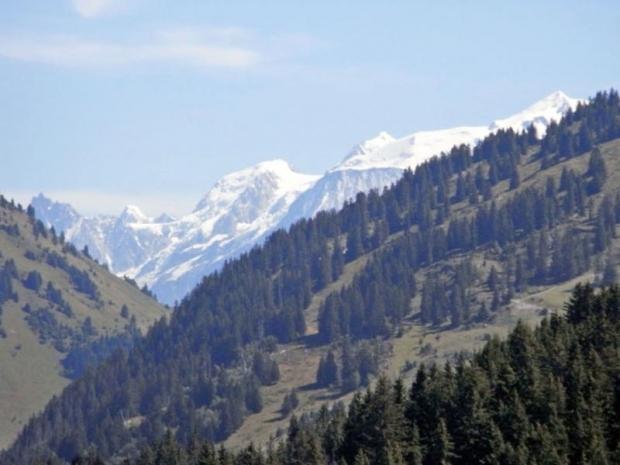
x: 597, y: 170
x: 350, y: 374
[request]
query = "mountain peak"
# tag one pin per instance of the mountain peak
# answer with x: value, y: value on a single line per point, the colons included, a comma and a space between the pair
x: 371, y: 145
x: 132, y: 214
x: 540, y: 114
x: 277, y: 164
x: 41, y: 198
x: 62, y: 215
x: 558, y: 101
x: 43, y: 201
x: 275, y: 175
x: 557, y: 96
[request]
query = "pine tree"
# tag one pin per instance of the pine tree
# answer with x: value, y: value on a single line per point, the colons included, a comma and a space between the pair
x: 519, y: 275
x: 440, y: 448
x: 515, y: 179
x: 350, y: 374
x: 597, y: 170
x: 327, y: 373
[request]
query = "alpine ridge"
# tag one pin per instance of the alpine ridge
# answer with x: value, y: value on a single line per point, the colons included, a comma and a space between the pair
x: 448, y: 257
x: 242, y: 208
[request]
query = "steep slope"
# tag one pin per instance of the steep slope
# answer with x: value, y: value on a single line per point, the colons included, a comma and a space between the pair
x: 442, y: 250
x: 54, y: 304
x: 243, y: 207
x: 548, y: 394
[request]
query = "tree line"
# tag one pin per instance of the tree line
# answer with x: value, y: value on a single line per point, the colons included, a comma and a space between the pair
x: 549, y: 395
x: 263, y: 294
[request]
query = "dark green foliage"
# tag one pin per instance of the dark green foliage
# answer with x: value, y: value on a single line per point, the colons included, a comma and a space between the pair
x: 196, y: 356
x: 515, y: 179
x: 7, y: 274
x: 33, y: 281
x: 55, y: 297
x: 599, y: 121
x: 265, y: 369
x: 290, y: 403
x: 350, y: 369
x: 10, y: 229
x: 89, y: 354
x: 597, y: 170
x: 80, y: 279
x: 125, y: 311
x: 87, y: 327
x: 434, y: 307
x: 253, y: 398
x: 544, y: 396
x: 30, y: 211
x: 379, y: 297
x: 39, y: 229
x: 327, y: 373
x: 43, y: 322
x: 146, y: 291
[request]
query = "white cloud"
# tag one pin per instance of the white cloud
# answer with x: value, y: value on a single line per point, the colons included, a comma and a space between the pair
x: 167, y: 48
x: 96, y: 8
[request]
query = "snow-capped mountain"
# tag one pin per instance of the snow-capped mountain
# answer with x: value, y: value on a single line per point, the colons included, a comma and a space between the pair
x: 241, y: 209
x: 233, y: 216
x: 379, y: 161
x: 172, y: 255
x: 122, y: 242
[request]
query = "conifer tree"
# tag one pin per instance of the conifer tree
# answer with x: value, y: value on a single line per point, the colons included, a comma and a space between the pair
x: 327, y: 373
x: 597, y: 170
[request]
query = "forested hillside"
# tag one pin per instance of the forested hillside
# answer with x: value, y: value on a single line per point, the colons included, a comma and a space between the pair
x: 60, y: 312
x: 544, y: 396
x: 544, y: 210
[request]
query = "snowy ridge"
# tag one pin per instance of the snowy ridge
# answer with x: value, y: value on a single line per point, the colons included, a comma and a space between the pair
x: 236, y: 213
x: 540, y: 114
x: 171, y: 255
x: 242, y: 208
x: 379, y: 161
x: 384, y: 151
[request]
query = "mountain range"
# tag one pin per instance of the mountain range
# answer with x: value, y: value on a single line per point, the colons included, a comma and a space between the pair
x: 449, y: 256
x: 171, y: 255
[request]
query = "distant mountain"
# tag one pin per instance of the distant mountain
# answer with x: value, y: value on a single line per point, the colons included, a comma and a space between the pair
x: 121, y: 242
x: 233, y: 216
x: 171, y: 256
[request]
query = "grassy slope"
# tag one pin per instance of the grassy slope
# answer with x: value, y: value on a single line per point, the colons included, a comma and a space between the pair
x: 299, y: 362
x: 30, y: 372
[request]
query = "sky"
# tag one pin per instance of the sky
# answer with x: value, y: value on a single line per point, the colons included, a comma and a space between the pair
x: 149, y: 102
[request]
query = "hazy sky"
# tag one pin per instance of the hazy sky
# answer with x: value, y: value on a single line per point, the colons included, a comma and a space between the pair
x: 107, y: 102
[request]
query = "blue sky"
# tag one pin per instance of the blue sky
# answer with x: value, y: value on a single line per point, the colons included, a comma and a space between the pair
x: 107, y: 102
